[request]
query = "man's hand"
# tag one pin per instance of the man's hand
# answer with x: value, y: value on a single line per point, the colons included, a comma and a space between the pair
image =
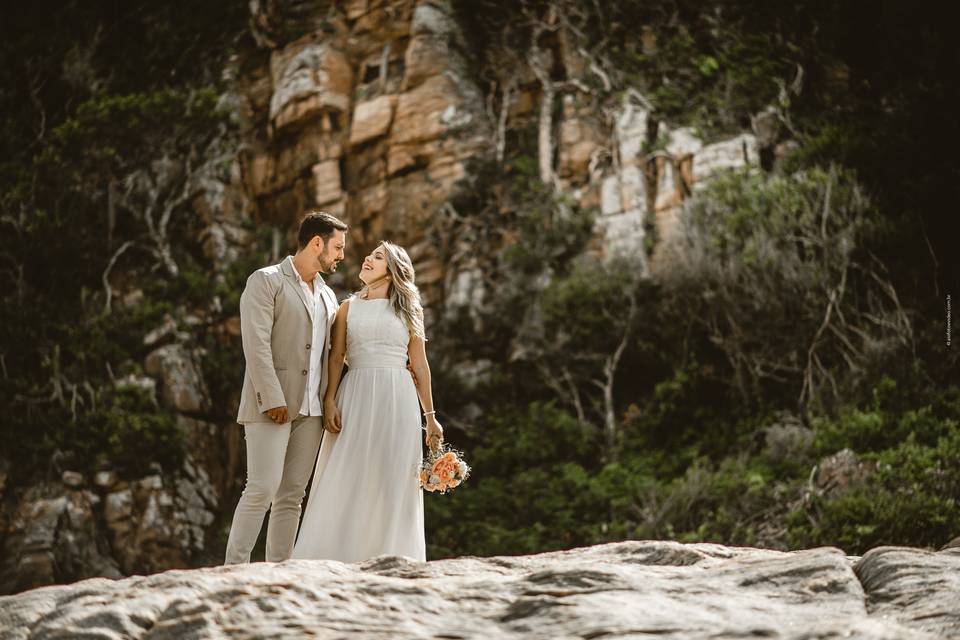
x: 413, y: 375
x: 278, y: 414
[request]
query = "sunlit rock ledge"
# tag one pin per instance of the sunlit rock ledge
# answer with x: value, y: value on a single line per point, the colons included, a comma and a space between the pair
x: 626, y: 590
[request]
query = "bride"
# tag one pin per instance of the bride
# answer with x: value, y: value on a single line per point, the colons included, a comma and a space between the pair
x: 365, y: 499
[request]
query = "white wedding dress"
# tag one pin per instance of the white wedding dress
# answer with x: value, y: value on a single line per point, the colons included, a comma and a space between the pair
x: 365, y: 499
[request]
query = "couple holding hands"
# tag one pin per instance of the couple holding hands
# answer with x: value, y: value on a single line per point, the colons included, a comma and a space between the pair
x: 364, y: 499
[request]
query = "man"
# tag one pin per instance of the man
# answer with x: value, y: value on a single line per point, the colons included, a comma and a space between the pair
x: 286, y: 312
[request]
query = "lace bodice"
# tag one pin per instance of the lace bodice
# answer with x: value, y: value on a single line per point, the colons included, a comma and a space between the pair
x: 376, y: 336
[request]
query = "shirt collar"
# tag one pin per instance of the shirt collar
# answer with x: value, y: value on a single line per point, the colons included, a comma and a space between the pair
x: 296, y: 273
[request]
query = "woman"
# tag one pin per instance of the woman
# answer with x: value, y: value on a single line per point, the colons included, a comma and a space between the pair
x: 365, y: 499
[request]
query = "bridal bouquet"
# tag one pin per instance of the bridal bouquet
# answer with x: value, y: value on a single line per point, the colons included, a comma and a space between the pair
x: 443, y: 469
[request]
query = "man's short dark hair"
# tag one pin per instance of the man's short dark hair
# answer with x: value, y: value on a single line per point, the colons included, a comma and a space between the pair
x: 318, y: 223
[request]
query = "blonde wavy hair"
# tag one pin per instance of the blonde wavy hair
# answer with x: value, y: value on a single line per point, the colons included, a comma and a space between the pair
x: 402, y: 292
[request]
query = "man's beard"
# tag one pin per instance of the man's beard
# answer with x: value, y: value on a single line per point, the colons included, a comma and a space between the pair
x: 326, y: 267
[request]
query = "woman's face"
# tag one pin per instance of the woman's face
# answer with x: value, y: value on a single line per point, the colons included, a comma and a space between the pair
x: 374, y: 266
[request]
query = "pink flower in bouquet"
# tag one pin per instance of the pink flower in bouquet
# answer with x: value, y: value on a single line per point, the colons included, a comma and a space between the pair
x: 442, y: 470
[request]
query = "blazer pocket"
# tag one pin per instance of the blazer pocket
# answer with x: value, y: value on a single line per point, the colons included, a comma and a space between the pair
x: 279, y: 366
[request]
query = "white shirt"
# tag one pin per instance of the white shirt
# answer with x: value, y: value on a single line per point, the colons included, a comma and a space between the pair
x: 311, y: 405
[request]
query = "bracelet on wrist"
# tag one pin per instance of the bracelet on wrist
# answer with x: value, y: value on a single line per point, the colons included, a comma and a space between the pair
x: 428, y: 413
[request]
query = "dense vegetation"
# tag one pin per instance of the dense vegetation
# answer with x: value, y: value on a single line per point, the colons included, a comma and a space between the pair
x: 723, y: 394
x: 699, y: 450
x: 108, y: 110
x: 733, y: 386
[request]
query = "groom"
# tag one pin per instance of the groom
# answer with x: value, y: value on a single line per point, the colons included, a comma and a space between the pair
x: 286, y: 312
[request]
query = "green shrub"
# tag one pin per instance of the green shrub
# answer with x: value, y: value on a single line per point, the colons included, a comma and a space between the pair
x: 531, y: 488
x: 913, y: 499
x: 889, y: 420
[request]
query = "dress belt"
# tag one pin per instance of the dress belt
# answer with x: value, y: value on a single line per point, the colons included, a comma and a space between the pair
x: 376, y: 362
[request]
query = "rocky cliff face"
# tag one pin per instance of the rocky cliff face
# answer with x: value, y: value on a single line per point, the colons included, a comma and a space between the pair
x: 630, y: 589
x: 83, y: 527
x: 369, y: 109
x: 370, y: 113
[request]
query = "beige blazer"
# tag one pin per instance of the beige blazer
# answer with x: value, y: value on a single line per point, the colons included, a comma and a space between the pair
x: 277, y: 330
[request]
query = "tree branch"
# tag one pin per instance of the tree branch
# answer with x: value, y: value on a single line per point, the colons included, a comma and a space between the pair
x: 105, y: 278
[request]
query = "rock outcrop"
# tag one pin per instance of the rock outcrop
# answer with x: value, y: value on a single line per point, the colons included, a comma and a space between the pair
x: 658, y: 170
x: 370, y: 109
x: 369, y: 113
x: 629, y: 589
x: 80, y: 528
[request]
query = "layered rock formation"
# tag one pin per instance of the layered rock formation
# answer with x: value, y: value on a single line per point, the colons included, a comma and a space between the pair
x: 629, y: 589
x: 369, y: 114
x: 81, y: 528
x: 370, y: 110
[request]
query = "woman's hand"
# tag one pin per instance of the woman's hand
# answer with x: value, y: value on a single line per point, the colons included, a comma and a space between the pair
x: 331, y: 416
x: 434, y: 431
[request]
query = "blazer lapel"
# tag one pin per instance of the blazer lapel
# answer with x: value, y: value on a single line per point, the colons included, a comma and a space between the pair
x: 325, y: 294
x: 287, y: 269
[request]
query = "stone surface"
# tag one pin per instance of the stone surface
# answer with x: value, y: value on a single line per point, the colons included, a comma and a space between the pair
x: 223, y: 243
x: 180, y: 375
x: 155, y: 524
x: 787, y: 438
x: 658, y: 172
x: 683, y: 142
x: 308, y: 78
x: 371, y: 119
x: 840, y: 472
x: 420, y: 111
x: 386, y: 118
x: 629, y: 589
x: 54, y: 537
x: 62, y: 534
x: 271, y: 22
x: 105, y: 479
x: 326, y: 182
x: 735, y: 153
x: 631, y: 126
x: 578, y: 141
x: 766, y: 127
x: 432, y: 31
x: 72, y: 479
x: 920, y: 589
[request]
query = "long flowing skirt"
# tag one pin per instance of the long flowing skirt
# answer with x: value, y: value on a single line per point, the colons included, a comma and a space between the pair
x: 365, y: 499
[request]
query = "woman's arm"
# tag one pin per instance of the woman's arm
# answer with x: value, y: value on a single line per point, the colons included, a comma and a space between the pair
x: 417, y: 353
x: 338, y: 350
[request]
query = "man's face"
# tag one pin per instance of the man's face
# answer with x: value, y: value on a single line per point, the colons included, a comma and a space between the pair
x: 331, y: 253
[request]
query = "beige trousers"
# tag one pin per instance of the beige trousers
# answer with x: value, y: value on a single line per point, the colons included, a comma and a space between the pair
x: 280, y: 459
